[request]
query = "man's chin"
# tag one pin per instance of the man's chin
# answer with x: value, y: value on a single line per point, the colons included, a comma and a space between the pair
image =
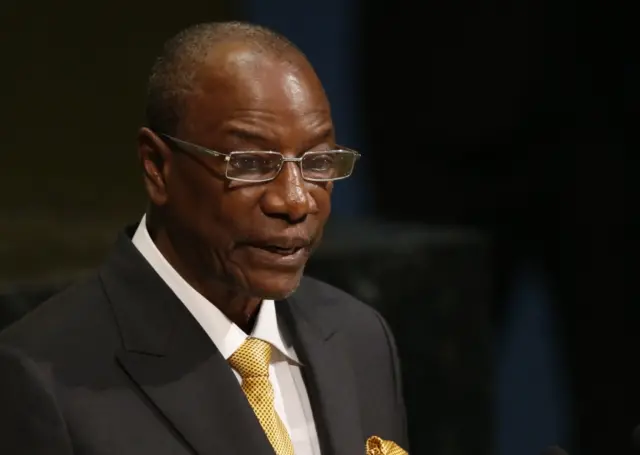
x: 274, y: 286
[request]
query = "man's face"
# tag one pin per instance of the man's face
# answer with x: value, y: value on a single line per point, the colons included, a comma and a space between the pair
x: 256, y: 237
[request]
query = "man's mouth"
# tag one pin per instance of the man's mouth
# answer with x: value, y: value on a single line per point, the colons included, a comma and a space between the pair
x: 283, y: 251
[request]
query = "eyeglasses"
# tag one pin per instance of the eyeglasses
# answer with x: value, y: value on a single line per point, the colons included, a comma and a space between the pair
x: 263, y: 166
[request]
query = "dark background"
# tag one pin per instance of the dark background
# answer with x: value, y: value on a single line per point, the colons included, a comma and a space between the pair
x: 518, y: 112
x: 506, y: 123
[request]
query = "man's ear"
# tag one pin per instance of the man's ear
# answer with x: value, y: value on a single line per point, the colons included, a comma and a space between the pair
x: 155, y: 158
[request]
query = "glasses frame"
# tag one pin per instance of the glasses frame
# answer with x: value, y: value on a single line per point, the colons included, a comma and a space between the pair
x: 190, y: 147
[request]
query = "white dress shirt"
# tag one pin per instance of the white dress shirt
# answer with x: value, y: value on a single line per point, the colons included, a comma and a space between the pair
x: 291, y: 399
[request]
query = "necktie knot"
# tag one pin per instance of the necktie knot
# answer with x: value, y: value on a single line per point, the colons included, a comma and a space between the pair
x: 252, y: 358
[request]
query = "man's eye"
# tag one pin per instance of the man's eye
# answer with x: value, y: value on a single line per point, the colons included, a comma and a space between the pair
x: 255, y: 161
x: 249, y: 162
x: 320, y: 162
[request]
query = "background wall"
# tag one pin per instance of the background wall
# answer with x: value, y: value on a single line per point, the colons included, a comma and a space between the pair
x: 72, y: 87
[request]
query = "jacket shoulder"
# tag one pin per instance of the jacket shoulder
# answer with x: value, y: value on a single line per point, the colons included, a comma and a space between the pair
x: 362, y: 323
x: 65, y: 321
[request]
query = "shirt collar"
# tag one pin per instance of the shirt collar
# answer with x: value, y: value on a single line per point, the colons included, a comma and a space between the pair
x: 225, y: 334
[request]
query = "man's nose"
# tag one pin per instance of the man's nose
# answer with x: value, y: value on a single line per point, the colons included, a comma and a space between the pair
x: 287, y: 195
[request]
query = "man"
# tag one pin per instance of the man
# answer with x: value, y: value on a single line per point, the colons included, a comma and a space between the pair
x: 199, y: 333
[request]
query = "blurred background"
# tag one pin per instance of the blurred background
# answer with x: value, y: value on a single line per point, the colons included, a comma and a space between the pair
x: 488, y: 220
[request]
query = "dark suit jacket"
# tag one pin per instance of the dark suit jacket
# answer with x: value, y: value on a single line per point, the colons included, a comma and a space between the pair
x: 117, y: 365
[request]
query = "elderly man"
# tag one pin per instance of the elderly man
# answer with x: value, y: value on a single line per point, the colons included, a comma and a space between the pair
x: 199, y: 334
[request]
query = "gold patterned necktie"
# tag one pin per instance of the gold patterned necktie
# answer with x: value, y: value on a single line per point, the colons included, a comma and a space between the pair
x: 251, y: 361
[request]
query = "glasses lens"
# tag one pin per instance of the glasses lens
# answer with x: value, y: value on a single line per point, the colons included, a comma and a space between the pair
x: 329, y: 165
x: 253, y: 166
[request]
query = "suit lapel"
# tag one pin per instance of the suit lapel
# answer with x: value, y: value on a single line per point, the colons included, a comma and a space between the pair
x: 175, y: 365
x: 204, y: 404
x: 327, y: 373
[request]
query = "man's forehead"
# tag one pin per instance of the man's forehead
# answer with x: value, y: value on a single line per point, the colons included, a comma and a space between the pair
x: 241, y: 77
